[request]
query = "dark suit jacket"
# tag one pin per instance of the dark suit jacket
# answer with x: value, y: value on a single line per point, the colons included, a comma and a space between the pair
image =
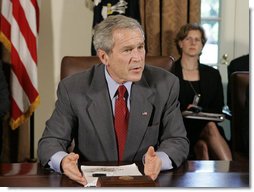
x: 4, y: 93
x: 84, y: 112
x: 237, y: 64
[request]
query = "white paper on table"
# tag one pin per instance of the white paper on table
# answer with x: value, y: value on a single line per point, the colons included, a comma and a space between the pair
x: 123, y: 170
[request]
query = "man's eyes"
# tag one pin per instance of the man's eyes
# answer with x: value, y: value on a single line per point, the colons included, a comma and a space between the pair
x: 141, y: 47
x: 127, y: 50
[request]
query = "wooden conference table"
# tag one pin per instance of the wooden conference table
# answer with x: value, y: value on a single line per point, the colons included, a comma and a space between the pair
x: 230, y: 174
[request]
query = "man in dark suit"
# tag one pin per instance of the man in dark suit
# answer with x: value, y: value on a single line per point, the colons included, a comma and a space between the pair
x: 240, y: 64
x: 4, y: 102
x: 237, y: 64
x: 85, y: 109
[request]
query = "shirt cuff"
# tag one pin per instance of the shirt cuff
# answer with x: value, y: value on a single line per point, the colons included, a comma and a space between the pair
x: 55, y: 161
x: 166, y: 163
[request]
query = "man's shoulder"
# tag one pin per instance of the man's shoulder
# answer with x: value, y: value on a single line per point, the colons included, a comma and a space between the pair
x: 241, y: 59
x: 239, y: 64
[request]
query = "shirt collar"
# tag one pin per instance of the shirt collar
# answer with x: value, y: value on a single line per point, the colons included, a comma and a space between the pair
x: 113, y: 85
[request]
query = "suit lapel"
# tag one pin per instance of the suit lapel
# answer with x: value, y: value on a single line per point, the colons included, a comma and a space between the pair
x: 101, y: 115
x: 140, y: 114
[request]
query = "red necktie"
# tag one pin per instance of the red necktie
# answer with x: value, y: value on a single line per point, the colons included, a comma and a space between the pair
x: 121, y: 120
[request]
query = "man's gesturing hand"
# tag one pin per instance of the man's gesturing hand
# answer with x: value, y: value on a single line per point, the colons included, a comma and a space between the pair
x: 70, y: 168
x: 152, y: 164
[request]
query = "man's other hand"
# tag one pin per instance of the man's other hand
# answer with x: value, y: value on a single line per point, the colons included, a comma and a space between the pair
x: 70, y: 168
x: 153, y: 163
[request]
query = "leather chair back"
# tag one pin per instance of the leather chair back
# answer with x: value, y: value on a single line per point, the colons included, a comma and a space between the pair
x: 240, y: 114
x: 73, y: 64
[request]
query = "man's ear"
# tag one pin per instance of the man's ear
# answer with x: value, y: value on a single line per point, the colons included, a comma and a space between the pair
x: 103, y: 56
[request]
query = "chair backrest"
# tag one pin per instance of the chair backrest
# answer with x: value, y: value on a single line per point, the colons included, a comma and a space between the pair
x: 240, y: 114
x: 74, y: 64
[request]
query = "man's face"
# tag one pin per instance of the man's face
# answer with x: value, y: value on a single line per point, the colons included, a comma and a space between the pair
x: 127, y: 58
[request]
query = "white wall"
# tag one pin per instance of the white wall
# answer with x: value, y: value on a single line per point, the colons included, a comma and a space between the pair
x: 65, y: 29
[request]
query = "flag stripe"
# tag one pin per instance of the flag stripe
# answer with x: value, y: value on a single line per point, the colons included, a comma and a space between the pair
x: 20, y: 45
x: 6, y: 27
x: 30, y: 12
x: 17, y: 92
x: 37, y: 12
x: 22, y: 76
x: 7, y: 10
x: 5, y: 33
x: 5, y: 24
x: 16, y: 112
x: 19, y: 32
x: 20, y: 18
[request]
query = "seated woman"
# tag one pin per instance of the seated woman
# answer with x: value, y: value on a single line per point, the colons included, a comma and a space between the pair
x: 202, y: 82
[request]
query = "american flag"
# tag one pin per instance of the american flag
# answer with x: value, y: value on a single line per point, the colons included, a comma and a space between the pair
x: 19, y: 32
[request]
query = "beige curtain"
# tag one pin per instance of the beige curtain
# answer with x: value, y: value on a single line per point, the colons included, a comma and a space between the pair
x: 162, y: 19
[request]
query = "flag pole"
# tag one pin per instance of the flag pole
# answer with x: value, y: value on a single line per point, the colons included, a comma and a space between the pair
x: 32, y: 138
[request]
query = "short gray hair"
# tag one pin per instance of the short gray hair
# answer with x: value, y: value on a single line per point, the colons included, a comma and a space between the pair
x: 103, y: 32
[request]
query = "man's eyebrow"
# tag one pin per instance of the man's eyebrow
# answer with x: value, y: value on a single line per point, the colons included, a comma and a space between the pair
x: 128, y: 46
x: 131, y: 46
x: 141, y: 44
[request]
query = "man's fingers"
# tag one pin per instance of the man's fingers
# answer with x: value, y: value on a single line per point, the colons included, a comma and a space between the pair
x: 152, y: 164
x: 152, y: 171
x: 150, y: 151
x: 70, y: 168
x: 75, y: 175
x: 73, y: 156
